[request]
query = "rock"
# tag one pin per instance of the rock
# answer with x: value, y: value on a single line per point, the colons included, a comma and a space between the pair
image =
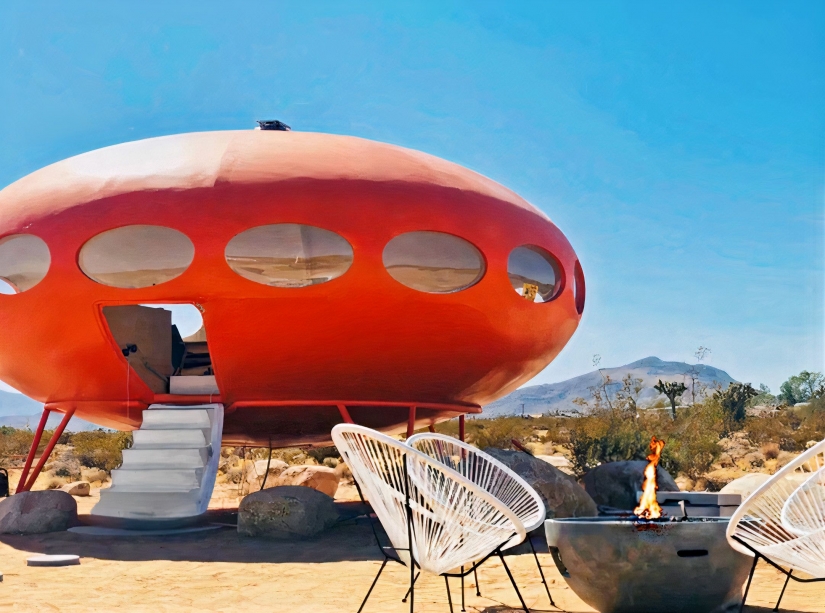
x: 745, y: 485
x: 754, y: 459
x: 37, y: 512
x: 343, y: 472
x: 559, y: 461
x: 286, y: 512
x: 77, y: 488
x: 562, y: 495
x: 321, y: 478
x: 255, y: 471
x: 717, y: 479
x: 686, y: 484
x: 93, y: 474
x: 615, y: 484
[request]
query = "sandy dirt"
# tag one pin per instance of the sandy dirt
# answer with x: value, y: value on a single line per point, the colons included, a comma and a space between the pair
x: 221, y: 571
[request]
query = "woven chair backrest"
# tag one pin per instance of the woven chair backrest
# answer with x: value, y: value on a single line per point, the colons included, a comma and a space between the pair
x: 487, y: 472
x: 454, y: 522
x: 783, y: 518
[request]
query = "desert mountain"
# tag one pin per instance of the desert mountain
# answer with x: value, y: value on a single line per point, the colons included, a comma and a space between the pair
x: 19, y: 411
x: 558, y: 397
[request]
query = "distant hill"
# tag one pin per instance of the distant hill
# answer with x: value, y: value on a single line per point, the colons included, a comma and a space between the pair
x: 18, y: 404
x: 19, y: 411
x: 558, y: 397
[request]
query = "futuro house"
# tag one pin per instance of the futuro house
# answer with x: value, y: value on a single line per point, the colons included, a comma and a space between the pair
x: 338, y: 279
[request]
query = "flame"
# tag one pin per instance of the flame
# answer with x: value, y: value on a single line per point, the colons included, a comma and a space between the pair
x: 648, y: 506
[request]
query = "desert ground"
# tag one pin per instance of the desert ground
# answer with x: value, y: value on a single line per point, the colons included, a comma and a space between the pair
x: 219, y: 570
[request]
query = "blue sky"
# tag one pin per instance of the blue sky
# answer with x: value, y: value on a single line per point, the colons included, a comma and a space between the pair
x: 680, y: 146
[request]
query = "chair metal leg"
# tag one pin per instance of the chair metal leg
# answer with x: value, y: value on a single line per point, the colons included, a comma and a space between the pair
x: 374, y: 581
x: 463, y: 610
x: 513, y: 581
x: 541, y: 572
x: 748, y: 586
x: 478, y: 586
x: 407, y: 595
x: 449, y: 596
x: 782, y: 593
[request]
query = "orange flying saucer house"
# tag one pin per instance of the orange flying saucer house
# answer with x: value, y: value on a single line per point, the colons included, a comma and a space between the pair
x: 338, y: 279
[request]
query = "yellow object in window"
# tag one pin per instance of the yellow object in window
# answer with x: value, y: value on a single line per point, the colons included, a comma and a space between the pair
x: 530, y: 291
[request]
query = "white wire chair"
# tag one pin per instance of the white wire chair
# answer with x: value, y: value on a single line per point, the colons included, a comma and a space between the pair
x: 495, y: 478
x: 783, y: 521
x: 436, y: 519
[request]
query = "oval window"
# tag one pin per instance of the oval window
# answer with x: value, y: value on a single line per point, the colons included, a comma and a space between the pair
x: 24, y: 261
x: 578, y: 287
x: 289, y: 255
x: 534, y: 273
x: 433, y: 262
x: 137, y: 256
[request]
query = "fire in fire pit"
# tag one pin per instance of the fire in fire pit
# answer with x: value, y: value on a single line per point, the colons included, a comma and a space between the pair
x: 648, y: 506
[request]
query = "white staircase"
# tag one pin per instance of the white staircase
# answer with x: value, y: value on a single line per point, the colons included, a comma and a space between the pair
x: 169, y: 473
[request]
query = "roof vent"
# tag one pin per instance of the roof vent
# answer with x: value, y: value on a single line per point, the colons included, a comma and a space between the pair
x: 272, y: 124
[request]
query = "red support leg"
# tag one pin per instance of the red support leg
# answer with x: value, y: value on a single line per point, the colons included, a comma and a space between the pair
x: 461, y: 428
x: 411, y: 422
x: 38, y: 434
x: 431, y: 428
x: 47, y: 451
x: 342, y: 409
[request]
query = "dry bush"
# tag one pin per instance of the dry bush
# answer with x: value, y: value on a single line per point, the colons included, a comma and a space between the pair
x: 100, y: 449
x: 770, y: 451
x: 321, y: 454
x: 498, y: 432
x: 789, y: 428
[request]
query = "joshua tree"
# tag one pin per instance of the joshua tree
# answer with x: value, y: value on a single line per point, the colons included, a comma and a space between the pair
x: 733, y: 402
x: 671, y: 390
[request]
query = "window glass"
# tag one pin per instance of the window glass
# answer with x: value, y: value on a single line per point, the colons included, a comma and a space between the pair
x: 578, y: 287
x: 289, y: 255
x: 433, y: 262
x: 534, y: 273
x: 136, y: 256
x: 24, y: 261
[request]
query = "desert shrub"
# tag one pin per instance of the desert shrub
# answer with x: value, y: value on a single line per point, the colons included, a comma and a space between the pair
x: 770, y: 451
x: 606, y: 435
x: 692, y: 445
x: 320, y: 454
x: 733, y: 402
x: 691, y: 440
x: 790, y: 428
x: 100, y: 449
x: 497, y: 432
x: 291, y: 455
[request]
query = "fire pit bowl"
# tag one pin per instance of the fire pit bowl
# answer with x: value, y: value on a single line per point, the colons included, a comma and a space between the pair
x: 619, y: 565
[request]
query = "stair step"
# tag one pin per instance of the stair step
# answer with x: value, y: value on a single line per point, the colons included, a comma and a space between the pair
x: 156, y: 480
x: 171, y: 419
x: 164, y: 458
x: 133, y: 505
x: 169, y: 439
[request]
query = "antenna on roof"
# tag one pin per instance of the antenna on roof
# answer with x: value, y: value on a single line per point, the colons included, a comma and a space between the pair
x: 272, y: 124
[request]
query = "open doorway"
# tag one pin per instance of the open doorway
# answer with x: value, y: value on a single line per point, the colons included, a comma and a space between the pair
x: 166, y: 345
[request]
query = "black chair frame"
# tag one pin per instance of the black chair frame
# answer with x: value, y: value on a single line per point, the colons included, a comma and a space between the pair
x: 788, y: 574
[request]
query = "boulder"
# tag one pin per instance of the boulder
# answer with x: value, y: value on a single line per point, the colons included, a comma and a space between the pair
x: 614, y: 484
x: 255, y: 471
x: 562, y: 495
x: 745, y: 485
x: 93, y: 474
x: 719, y: 478
x: 37, y: 512
x: 77, y: 488
x: 321, y: 478
x: 286, y: 512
